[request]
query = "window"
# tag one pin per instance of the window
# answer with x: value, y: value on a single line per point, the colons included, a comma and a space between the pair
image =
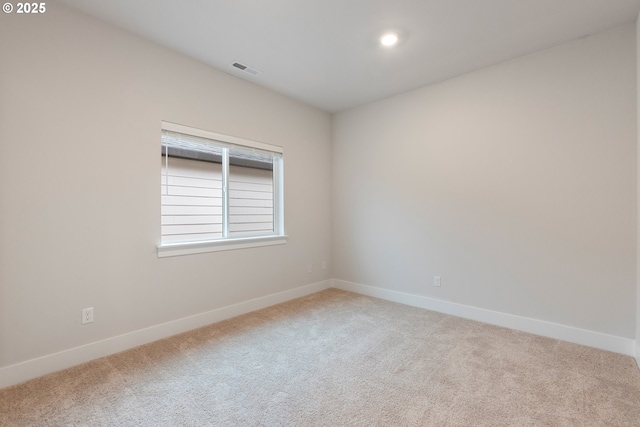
x: 218, y: 192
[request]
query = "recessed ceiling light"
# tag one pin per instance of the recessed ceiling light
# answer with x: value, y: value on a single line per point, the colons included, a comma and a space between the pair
x: 389, y: 39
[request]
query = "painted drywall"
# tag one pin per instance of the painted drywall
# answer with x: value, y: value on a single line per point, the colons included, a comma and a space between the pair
x: 81, y: 104
x: 637, y: 337
x: 515, y: 183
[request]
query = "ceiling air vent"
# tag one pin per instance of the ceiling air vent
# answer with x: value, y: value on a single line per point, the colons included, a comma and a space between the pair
x: 245, y: 68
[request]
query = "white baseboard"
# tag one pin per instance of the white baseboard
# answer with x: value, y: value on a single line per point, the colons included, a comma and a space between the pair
x: 34, y: 368
x: 539, y: 327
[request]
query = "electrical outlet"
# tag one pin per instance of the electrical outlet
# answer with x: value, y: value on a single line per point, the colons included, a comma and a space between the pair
x: 87, y: 315
x: 309, y: 268
x: 436, y: 280
x: 324, y: 265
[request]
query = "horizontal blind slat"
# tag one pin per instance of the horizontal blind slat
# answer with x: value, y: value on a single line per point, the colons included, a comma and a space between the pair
x: 256, y: 226
x: 250, y: 210
x: 191, y: 229
x: 191, y: 201
x: 251, y: 203
x: 249, y: 195
x: 191, y: 210
x: 179, y: 238
x: 191, y: 219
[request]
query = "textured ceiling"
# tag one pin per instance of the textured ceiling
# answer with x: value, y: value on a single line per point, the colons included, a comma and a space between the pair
x: 325, y: 52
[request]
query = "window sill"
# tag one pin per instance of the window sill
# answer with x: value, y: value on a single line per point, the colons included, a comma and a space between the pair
x: 188, y: 248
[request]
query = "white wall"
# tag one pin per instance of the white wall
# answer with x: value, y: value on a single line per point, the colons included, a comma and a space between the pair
x: 515, y: 183
x: 637, y: 343
x: 80, y: 110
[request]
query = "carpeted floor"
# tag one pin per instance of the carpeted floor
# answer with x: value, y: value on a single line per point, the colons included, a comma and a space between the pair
x: 338, y: 359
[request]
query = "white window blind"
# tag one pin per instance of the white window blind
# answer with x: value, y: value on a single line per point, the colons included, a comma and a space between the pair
x: 216, y: 190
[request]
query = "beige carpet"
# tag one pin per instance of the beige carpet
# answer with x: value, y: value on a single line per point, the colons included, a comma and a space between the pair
x: 338, y: 359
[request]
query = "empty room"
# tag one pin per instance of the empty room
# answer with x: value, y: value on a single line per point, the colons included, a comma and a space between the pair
x: 319, y: 213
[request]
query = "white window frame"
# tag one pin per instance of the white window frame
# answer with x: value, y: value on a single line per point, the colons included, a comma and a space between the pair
x: 278, y: 237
